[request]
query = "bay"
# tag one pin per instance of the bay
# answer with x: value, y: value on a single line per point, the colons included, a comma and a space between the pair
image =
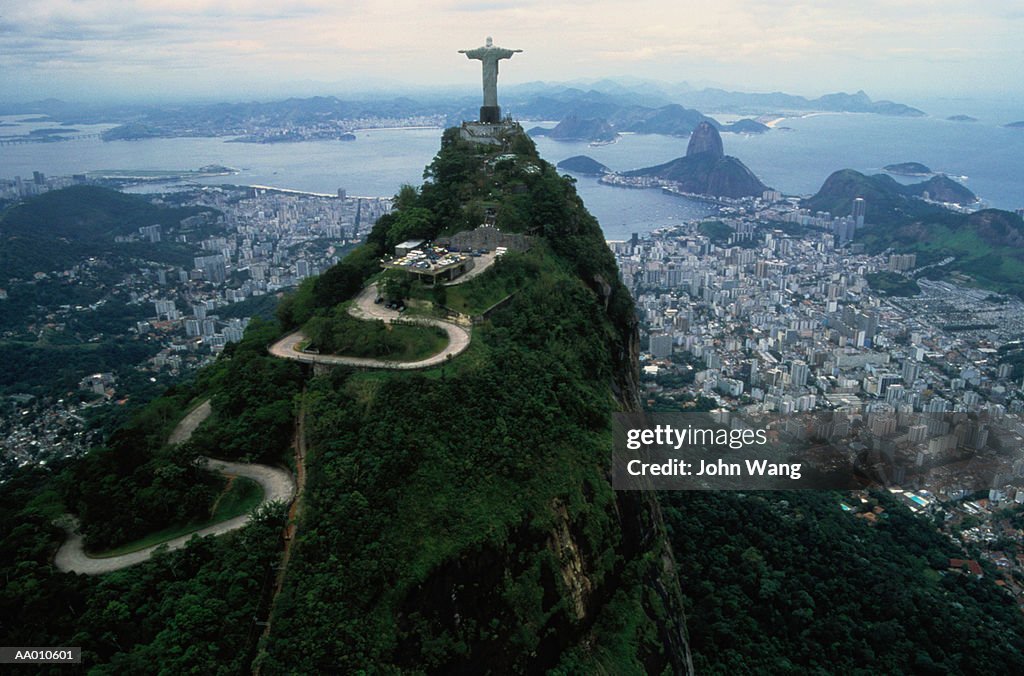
x: 796, y: 157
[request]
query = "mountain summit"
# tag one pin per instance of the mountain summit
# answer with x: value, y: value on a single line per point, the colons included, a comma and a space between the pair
x: 705, y: 139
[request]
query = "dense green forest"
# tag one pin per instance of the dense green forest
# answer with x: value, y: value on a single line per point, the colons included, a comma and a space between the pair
x: 787, y: 582
x: 338, y: 332
x: 188, y: 611
x: 435, y: 499
x: 138, y: 484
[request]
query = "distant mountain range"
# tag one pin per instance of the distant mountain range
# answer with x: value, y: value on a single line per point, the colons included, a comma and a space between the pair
x: 671, y: 120
x: 601, y: 98
x: 640, y: 107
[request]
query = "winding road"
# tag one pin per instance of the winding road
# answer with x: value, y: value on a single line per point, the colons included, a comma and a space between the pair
x: 277, y: 484
x: 365, y: 308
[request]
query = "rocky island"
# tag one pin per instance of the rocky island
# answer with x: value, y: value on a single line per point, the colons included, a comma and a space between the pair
x: 584, y: 166
x: 908, y: 169
x: 746, y: 126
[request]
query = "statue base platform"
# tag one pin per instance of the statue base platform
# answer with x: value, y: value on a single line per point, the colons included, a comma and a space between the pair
x: 494, y: 134
x: 490, y: 114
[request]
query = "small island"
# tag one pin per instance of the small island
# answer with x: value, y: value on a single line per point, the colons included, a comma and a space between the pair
x: 962, y: 118
x: 908, y: 169
x: 746, y: 126
x: 584, y: 166
x: 159, y: 175
x: 1015, y: 125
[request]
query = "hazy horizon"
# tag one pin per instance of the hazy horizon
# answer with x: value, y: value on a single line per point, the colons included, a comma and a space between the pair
x: 908, y: 50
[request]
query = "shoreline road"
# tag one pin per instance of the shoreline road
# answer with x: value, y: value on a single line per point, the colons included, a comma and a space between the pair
x: 365, y: 308
x: 277, y: 484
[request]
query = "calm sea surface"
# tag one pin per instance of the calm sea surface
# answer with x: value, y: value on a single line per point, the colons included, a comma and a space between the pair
x: 794, y: 158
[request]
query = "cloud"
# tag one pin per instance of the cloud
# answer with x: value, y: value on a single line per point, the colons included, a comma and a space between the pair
x: 260, y: 41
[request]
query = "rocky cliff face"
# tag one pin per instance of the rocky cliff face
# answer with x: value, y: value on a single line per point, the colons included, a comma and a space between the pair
x: 641, y: 520
x: 705, y: 139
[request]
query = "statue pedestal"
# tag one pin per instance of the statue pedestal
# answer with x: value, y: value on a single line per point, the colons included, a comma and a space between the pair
x: 490, y: 114
x: 489, y: 133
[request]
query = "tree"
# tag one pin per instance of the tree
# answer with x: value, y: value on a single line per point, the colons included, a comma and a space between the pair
x: 394, y: 285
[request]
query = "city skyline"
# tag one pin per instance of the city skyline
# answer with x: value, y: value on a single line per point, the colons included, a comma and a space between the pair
x: 94, y: 50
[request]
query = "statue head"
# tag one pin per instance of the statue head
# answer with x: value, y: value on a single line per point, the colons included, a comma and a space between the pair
x: 489, y: 42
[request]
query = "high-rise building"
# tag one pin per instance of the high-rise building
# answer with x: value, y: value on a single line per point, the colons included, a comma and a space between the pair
x: 214, y: 268
x: 661, y: 345
x: 164, y: 308
x: 860, y: 208
x: 150, y: 232
x: 798, y: 373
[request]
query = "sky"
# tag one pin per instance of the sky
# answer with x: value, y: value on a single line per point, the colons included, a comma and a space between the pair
x: 254, y: 49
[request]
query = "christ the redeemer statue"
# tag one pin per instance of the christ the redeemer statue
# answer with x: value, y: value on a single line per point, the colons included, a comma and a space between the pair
x: 490, y: 55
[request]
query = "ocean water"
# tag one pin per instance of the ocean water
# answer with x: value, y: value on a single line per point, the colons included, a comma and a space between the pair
x: 799, y: 154
x: 795, y: 158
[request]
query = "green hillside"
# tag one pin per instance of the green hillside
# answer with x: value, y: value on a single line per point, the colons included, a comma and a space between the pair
x: 986, y: 245
x: 461, y: 518
x: 63, y: 227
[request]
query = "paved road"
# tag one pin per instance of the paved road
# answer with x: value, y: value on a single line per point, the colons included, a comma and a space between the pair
x: 365, y: 308
x: 189, y: 423
x: 480, y: 265
x: 277, y: 484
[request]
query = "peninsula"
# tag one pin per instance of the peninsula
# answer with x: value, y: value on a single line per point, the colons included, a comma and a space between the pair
x: 704, y: 170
